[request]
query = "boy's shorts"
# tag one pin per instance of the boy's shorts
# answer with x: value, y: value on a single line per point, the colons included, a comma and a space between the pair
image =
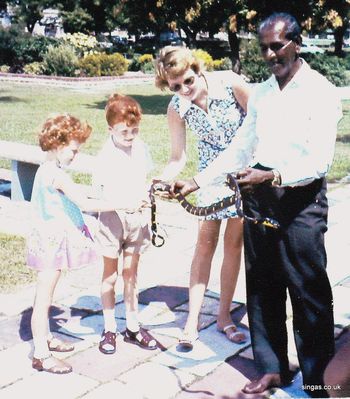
x: 123, y: 231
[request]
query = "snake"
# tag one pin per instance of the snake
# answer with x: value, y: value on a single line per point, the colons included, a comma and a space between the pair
x: 234, y: 199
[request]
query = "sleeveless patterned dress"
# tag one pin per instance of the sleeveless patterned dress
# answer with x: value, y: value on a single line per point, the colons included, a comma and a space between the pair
x: 215, y: 130
x: 59, y: 237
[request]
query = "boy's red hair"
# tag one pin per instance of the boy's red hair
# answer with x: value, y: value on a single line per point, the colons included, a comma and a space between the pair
x: 122, y: 108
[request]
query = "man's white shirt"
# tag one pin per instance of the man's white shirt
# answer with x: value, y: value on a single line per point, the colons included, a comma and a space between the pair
x: 292, y: 130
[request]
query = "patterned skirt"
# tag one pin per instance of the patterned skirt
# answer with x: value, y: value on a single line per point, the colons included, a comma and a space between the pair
x: 51, y: 246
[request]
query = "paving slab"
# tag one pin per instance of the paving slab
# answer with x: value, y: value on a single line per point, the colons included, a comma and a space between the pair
x: 210, y: 306
x: 171, y: 295
x: 13, y: 370
x: 103, y: 368
x: 157, y: 381
x: 46, y: 385
x: 15, y: 303
x: 115, y: 389
x: 225, y: 382
x: 208, y: 352
x: 341, y: 306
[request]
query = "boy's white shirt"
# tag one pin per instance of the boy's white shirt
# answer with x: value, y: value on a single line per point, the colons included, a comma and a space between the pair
x: 122, y: 178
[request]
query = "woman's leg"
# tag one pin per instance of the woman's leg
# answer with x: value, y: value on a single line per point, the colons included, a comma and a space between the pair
x: 208, y: 234
x: 233, y: 240
x: 109, y: 278
x: 46, y: 283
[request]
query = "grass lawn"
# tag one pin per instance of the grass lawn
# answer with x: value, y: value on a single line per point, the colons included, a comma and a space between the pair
x: 24, y: 108
x: 13, y: 270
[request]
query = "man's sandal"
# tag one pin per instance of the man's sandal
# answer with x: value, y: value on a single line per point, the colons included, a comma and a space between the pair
x: 51, y: 364
x: 233, y: 334
x: 142, y: 338
x: 107, y: 344
x: 56, y: 345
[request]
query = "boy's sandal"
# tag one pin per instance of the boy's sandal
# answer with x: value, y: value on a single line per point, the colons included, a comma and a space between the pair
x: 142, y: 338
x: 56, y: 345
x: 107, y: 344
x: 187, y: 341
x: 51, y: 364
x: 233, y: 334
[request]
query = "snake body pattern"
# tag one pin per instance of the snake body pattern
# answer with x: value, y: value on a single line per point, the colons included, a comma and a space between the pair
x: 234, y: 199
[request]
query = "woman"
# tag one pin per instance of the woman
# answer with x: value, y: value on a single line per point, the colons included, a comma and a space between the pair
x: 213, y: 105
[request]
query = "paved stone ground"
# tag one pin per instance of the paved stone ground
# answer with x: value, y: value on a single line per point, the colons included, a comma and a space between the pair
x: 214, y: 369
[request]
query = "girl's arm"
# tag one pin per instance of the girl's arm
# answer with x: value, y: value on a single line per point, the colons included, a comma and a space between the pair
x: 77, y: 195
x: 241, y: 90
x: 177, y: 159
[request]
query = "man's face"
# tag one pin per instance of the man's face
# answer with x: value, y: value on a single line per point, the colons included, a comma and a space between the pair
x: 279, y: 52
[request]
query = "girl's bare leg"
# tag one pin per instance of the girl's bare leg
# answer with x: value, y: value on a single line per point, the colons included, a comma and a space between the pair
x: 46, y: 283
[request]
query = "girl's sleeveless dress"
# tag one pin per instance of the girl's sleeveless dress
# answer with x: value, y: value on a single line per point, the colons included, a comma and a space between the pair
x: 215, y: 130
x: 59, y: 237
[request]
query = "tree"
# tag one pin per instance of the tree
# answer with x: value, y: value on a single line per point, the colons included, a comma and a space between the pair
x: 334, y: 14
x: 29, y: 11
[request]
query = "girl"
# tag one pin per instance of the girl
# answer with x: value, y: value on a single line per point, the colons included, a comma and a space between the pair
x: 59, y: 237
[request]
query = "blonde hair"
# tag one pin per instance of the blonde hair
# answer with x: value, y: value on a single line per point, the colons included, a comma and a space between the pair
x: 173, y: 62
x: 122, y: 108
x: 60, y: 130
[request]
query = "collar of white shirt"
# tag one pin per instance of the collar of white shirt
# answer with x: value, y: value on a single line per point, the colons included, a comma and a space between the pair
x: 298, y: 80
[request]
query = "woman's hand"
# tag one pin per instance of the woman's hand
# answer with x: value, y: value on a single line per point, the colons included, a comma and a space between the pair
x: 184, y: 186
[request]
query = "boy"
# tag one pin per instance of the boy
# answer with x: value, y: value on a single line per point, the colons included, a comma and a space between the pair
x: 123, y: 164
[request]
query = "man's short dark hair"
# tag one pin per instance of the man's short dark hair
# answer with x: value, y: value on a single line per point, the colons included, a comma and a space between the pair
x: 293, y: 29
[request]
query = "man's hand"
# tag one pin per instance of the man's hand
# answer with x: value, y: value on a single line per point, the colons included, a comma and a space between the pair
x: 250, y: 177
x: 184, y: 186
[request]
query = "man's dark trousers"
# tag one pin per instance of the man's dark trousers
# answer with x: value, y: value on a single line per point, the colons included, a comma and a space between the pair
x: 292, y: 258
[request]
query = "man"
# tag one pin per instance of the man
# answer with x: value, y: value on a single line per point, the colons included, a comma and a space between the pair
x: 288, y: 137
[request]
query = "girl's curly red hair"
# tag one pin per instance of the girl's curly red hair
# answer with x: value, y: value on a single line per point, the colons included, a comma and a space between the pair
x: 61, y: 130
x: 122, y: 108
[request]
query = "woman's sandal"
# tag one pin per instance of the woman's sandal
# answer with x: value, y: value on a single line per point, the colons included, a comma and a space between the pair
x: 56, y: 345
x: 233, y: 334
x: 107, y: 344
x: 187, y: 341
x: 51, y: 364
x: 142, y: 338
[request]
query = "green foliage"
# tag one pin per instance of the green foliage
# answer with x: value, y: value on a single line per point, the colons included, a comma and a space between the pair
x: 134, y: 64
x: 76, y: 20
x: 34, y: 68
x: 205, y: 58
x: 103, y: 65
x: 33, y: 48
x: 18, y: 48
x: 61, y: 61
x: 223, y: 64
x: 253, y: 65
x: 332, y: 67
x: 147, y: 67
x: 145, y: 63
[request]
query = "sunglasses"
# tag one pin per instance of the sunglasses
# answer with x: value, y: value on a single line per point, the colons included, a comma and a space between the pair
x: 187, y: 82
x: 275, y: 47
